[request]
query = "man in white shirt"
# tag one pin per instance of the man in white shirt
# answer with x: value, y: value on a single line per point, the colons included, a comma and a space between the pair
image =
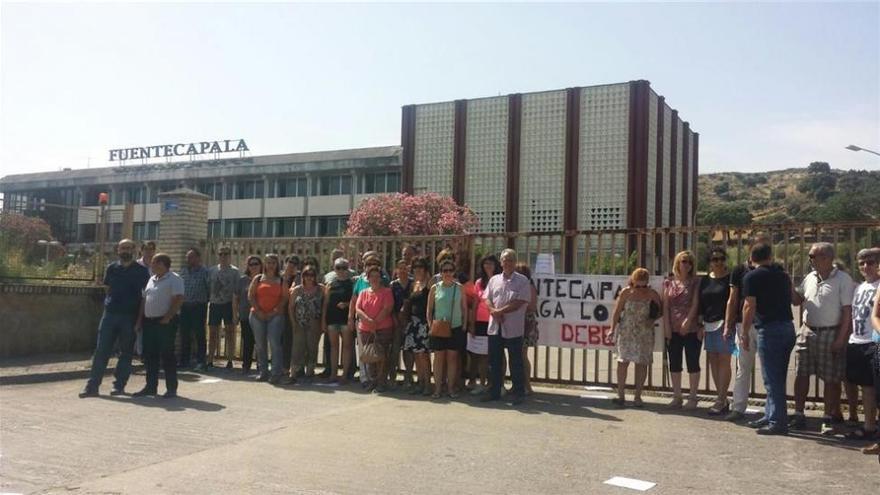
x: 826, y: 297
x: 507, y: 295
x: 860, y: 349
x: 162, y: 299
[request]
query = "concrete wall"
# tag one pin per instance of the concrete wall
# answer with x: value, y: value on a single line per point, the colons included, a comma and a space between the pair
x: 40, y: 319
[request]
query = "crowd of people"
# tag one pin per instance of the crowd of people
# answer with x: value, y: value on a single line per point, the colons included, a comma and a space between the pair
x: 452, y: 332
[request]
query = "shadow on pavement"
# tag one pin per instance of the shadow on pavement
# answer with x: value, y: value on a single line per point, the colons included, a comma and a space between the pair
x: 176, y: 404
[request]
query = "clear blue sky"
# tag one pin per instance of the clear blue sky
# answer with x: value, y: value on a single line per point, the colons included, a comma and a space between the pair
x: 768, y: 86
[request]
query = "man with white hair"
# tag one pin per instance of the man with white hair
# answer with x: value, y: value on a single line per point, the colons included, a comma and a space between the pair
x: 826, y: 296
x: 507, y: 295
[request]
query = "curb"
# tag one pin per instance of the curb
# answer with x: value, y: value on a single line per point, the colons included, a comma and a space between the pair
x: 58, y: 376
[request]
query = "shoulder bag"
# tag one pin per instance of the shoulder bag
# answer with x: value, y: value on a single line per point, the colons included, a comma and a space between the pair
x: 443, y: 328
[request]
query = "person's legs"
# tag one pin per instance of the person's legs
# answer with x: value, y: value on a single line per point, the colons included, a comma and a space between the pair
x: 423, y: 369
x: 452, y: 374
x: 286, y: 345
x: 674, y: 352
x: 347, y: 354
x: 496, y: 372
x: 298, y: 350
x: 641, y: 375
x: 247, y: 345
x: 260, y: 330
x: 152, y: 341
x: 106, y: 338
x: 166, y: 349
x: 408, y: 364
x: 517, y: 373
x: 692, y: 348
x: 722, y: 377
x: 394, y: 351
x: 229, y: 339
x: 332, y: 361
x: 275, y: 330
x: 439, y: 370
x: 622, y: 367
x: 186, y: 334
x: 745, y: 365
x: 213, y: 343
x: 775, y: 342
x: 712, y: 364
x: 313, y: 341
x: 201, y: 315
x: 832, y: 390
x: 852, y: 399
x: 527, y: 370
x: 328, y: 351
x: 126, y: 337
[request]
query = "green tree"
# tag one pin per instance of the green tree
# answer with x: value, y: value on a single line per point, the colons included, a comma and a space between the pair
x: 841, y: 208
x: 735, y: 213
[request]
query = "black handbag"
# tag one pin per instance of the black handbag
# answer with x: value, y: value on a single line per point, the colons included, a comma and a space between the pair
x: 655, y: 311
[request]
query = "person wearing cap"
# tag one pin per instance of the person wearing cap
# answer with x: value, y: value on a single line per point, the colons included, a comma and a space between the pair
x: 224, y: 279
x: 162, y: 299
x: 125, y: 281
x: 337, y: 297
x: 861, y: 349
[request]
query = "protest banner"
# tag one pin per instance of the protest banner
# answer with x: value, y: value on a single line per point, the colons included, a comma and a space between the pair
x: 575, y: 310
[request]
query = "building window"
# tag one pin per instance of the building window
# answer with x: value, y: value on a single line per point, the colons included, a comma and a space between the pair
x: 114, y: 232
x: 246, y: 189
x: 328, y: 226
x: 148, y: 231
x: 289, y: 227
x: 213, y: 190
x: 214, y: 229
x: 290, y: 188
x: 249, y: 227
x: 155, y: 189
x: 331, y: 185
x: 380, y: 182
x: 135, y: 194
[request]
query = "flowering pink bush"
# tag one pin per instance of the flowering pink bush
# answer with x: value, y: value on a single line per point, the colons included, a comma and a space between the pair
x: 403, y: 214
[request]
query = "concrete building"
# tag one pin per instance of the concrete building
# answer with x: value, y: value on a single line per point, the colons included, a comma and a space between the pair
x: 301, y: 194
x: 603, y: 157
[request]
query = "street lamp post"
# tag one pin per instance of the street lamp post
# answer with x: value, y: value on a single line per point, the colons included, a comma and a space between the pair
x: 853, y: 147
x: 47, y: 245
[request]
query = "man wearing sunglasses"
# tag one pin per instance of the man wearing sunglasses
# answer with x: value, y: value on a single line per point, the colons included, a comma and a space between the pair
x: 826, y: 296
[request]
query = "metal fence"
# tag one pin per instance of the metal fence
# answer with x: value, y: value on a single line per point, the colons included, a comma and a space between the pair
x: 614, y: 252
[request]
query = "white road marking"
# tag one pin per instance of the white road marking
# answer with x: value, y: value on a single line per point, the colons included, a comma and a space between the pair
x: 210, y: 380
x: 630, y: 483
x: 595, y: 396
x: 593, y: 388
x: 752, y: 410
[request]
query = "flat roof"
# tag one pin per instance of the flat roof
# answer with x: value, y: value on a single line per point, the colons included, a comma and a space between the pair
x: 195, y: 169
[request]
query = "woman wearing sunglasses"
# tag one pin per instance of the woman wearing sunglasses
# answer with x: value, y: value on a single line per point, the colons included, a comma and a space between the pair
x: 683, y: 339
x: 304, y: 312
x: 720, y: 342
x: 447, y: 304
x: 268, y: 298
x: 253, y: 268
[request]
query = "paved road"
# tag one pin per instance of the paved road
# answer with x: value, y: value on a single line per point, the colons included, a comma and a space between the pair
x: 229, y: 435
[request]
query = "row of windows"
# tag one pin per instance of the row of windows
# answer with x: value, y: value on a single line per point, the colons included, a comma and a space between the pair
x: 278, y: 227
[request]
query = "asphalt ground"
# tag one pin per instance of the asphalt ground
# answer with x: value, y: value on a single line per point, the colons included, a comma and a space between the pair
x: 227, y: 434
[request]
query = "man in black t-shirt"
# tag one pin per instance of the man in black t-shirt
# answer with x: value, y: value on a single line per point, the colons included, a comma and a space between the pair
x: 767, y: 294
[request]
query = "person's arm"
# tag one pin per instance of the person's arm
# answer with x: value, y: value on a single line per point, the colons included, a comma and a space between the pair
x: 844, y: 330
x: 324, y: 305
x: 797, y: 297
x: 618, y: 308
x: 749, y: 308
x: 176, y: 303
x: 361, y: 314
x: 351, y: 310
x: 875, y: 314
x: 291, y: 304
x: 465, y: 310
x: 730, y: 312
x: 282, y: 305
x: 667, y: 321
x: 252, y: 297
x: 691, y: 318
x: 139, y: 323
x: 430, y: 311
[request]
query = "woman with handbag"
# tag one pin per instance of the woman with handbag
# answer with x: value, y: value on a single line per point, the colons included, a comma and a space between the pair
x: 632, y: 328
x: 447, y: 310
x: 375, y: 327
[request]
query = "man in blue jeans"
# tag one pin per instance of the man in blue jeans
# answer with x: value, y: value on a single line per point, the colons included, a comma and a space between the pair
x: 767, y: 293
x: 125, y: 280
x: 507, y: 295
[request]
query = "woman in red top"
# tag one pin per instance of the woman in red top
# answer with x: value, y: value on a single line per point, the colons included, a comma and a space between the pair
x: 374, y: 307
x: 478, y: 340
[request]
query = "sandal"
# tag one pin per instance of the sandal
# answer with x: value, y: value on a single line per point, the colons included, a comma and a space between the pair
x: 872, y: 450
x: 861, y: 433
x: 617, y: 401
x: 637, y: 402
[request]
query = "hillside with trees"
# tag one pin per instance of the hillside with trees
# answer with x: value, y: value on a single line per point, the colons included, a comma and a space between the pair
x: 816, y: 193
